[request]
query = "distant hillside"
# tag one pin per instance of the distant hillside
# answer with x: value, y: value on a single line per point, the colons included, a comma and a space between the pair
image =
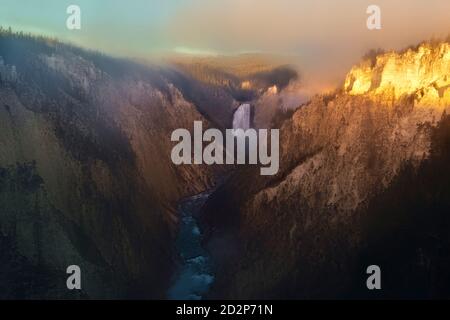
x: 240, y: 66
x: 243, y: 78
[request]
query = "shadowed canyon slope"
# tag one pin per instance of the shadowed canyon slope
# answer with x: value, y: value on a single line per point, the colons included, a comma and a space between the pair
x: 351, y: 165
x: 85, y: 171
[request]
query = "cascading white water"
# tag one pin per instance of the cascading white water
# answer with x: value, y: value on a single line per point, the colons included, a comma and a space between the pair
x: 241, y: 118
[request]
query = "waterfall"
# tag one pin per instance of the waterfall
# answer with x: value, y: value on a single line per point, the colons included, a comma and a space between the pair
x: 241, y: 118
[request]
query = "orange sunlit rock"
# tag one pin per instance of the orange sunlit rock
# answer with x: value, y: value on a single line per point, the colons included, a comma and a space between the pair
x: 423, y: 72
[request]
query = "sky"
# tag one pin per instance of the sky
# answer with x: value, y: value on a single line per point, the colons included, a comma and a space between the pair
x: 327, y: 36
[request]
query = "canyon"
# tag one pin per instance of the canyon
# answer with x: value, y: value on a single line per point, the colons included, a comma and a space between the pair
x: 85, y: 171
x: 86, y: 178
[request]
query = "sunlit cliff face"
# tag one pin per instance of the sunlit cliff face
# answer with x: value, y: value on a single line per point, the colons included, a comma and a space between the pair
x: 272, y: 90
x: 246, y: 85
x: 423, y: 73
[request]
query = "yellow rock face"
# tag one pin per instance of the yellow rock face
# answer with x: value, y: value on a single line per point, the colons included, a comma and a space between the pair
x: 423, y: 72
x: 246, y: 85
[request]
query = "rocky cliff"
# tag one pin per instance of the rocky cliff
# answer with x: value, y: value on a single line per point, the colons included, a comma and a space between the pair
x: 303, y: 232
x: 85, y: 171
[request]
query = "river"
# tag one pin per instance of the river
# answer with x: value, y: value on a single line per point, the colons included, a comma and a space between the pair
x: 194, y: 276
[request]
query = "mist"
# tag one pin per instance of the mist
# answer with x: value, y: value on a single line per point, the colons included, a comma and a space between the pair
x: 324, y: 38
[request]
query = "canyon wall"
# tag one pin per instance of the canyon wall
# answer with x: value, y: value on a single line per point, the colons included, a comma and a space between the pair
x: 85, y: 172
x: 302, y: 233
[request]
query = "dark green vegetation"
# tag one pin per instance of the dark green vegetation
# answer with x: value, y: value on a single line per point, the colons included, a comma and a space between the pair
x: 407, y: 227
x: 24, y: 206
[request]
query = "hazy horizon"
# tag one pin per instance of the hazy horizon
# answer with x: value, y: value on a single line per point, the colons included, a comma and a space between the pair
x: 324, y: 39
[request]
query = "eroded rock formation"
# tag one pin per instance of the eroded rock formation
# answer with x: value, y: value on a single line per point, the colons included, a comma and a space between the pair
x: 300, y: 233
